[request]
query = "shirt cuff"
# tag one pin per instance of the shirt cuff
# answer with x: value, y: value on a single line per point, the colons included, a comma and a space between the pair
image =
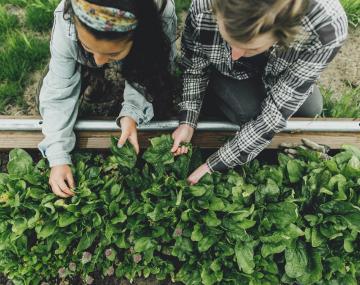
x: 131, y: 111
x: 189, y: 117
x: 64, y: 159
x: 215, y: 163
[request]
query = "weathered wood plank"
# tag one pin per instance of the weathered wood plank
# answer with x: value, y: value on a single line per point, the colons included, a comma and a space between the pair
x: 101, y: 140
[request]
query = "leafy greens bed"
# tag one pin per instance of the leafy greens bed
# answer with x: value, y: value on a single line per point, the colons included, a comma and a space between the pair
x: 297, y: 221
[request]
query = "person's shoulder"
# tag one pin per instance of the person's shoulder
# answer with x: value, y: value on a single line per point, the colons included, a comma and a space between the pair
x: 328, y: 19
x: 326, y: 10
x: 63, y: 23
x: 201, y: 7
x: 60, y: 8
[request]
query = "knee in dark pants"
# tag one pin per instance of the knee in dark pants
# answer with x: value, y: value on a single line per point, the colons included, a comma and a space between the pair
x: 239, y: 100
x: 313, y: 105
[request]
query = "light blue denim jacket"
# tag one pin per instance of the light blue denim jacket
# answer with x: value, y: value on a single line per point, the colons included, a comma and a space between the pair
x: 61, y: 89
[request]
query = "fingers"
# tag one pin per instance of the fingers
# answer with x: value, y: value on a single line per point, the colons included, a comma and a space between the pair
x: 176, y: 145
x: 133, y: 139
x: 70, y: 181
x: 123, y: 138
x: 181, y: 150
x: 64, y: 188
x: 57, y: 191
x: 184, y: 150
x: 192, y: 180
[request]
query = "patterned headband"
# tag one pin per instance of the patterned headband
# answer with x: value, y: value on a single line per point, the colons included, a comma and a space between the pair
x: 104, y: 19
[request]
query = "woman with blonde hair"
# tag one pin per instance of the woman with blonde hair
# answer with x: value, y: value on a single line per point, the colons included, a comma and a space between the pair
x: 259, y: 61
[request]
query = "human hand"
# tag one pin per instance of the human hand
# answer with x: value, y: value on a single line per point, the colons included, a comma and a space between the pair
x: 62, y: 181
x: 198, y: 174
x: 183, y: 133
x: 129, y: 132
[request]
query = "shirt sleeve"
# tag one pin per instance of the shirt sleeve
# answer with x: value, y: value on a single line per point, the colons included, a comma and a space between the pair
x: 135, y: 106
x: 195, y: 71
x: 59, y: 98
x: 284, y: 98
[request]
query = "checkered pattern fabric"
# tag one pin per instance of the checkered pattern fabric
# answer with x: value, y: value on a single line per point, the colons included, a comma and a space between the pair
x: 289, y: 75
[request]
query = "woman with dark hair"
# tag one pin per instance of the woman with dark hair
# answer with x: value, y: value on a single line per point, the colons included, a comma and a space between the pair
x: 135, y: 37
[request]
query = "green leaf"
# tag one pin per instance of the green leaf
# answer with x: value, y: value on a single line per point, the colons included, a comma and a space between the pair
x: 295, y: 171
x: 87, y: 209
x: 353, y: 167
x: 86, y: 241
x: 126, y: 155
x: 282, y: 214
x: 197, y: 190
x: 120, y: 218
x: 244, y: 252
x: 182, y: 163
x: 205, y: 243
x: 207, y: 276
x: 196, y: 234
x: 159, y: 153
x: 96, y: 221
x: 19, y: 226
x: 182, y: 248
x: 216, y: 204
x: 352, y: 149
x: 211, y: 219
x: 296, y: 260
x: 314, y: 268
x: 46, y: 231
x: 20, y: 163
x: 121, y: 242
x: 35, y: 193
x: 66, y: 219
x: 272, y: 248
x: 143, y: 244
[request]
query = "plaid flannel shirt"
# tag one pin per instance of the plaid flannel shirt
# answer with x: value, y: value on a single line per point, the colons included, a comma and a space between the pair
x: 289, y: 75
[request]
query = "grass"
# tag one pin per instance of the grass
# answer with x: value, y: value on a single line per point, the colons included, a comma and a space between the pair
x: 39, y: 15
x: 182, y: 5
x: 345, y: 106
x: 21, y: 55
x: 7, y: 23
x: 352, y: 9
x: 23, y: 49
x: 10, y: 93
x: 20, y: 3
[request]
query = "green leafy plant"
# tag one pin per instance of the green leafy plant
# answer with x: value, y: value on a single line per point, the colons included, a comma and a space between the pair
x: 346, y: 106
x: 294, y: 222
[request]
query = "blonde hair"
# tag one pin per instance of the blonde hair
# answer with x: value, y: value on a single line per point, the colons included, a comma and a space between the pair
x: 247, y: 19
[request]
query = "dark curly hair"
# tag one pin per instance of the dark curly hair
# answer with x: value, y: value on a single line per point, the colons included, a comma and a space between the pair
x: 147, y: 67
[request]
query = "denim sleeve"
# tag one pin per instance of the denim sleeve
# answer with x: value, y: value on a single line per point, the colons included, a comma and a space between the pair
x: 135, y: 105
x: 59, y: 97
